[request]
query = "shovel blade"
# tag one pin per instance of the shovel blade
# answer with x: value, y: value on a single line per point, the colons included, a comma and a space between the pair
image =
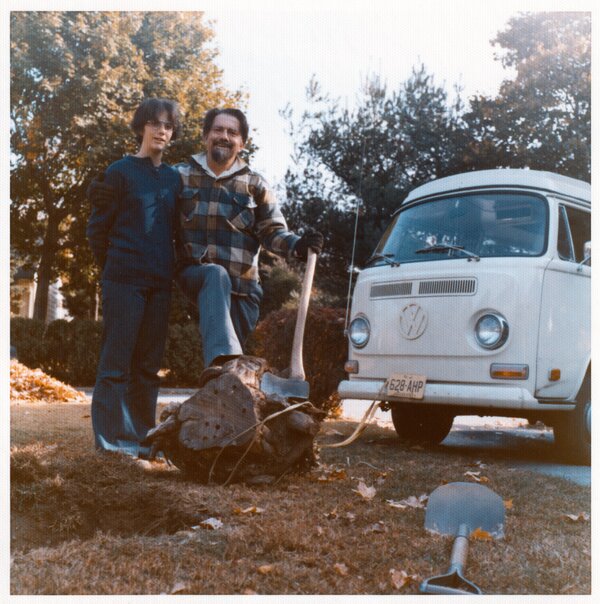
x: 291, y: 388
x: 458, y: 503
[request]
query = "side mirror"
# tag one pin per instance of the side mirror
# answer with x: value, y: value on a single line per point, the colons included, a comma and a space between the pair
x: 587, y: 249
x: 587, y: 255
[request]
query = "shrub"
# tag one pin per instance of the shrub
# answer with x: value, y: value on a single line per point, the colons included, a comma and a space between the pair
x: 84, y: 351
x: 26, y: 335
x: 183, y: 355
x: 278, y: 283
x: 325, y: 349
x: 57, y: 344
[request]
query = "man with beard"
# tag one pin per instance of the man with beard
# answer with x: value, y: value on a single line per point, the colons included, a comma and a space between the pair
x: 226, y: 212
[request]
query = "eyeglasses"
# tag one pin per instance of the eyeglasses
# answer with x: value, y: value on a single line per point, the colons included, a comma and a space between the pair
x: 156, y: 124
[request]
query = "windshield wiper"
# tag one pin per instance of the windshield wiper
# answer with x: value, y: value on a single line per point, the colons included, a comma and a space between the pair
x: 384, y: 257
x: 444, y: 247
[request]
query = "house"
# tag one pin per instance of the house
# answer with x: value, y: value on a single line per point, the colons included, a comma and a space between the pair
x: 23, y: 291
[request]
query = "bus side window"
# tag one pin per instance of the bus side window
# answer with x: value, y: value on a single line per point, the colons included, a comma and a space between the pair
x: 580, y: 227
x: 564, y: 243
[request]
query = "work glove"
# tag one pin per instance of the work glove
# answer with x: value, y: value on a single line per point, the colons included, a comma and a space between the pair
x: 99, y: 193
x: 312, y: 240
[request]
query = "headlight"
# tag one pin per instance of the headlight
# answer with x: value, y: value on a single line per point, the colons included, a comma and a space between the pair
x: 491, y: 331
x: 359, y: 331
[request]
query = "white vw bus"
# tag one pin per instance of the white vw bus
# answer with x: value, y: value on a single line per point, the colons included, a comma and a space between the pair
x: 476, y: 301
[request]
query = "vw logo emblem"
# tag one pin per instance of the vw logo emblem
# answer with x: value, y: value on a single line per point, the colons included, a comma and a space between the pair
x: 413, y: 321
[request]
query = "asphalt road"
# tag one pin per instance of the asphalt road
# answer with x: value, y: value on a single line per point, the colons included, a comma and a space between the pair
x: 527, y: 447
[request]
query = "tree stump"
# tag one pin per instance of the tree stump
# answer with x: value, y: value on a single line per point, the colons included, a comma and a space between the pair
x: 225, y: 430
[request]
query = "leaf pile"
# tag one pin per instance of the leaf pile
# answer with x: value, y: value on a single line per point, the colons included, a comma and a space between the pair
x: 33, y: 385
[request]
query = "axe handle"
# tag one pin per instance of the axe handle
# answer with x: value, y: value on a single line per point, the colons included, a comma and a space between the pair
x: 296, y: 365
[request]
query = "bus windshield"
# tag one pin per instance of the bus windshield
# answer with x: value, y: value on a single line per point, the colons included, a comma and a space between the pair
x: 477, y: 225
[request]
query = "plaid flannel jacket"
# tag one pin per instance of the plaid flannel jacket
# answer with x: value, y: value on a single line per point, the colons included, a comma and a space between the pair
x: 225, y: 220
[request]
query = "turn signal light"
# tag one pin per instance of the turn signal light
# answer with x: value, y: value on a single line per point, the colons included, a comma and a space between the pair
x: 554, y: 375
x: 351, y: 366
x: 509, y: 372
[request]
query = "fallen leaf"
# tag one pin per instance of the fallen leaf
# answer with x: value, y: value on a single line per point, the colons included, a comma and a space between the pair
x: 396, y: 504
x: 333, y: 474
x: 350, y: 517
x: 331, y: 515
x: 480, y: 535
x: 478, y: 464
x: 211, y: 523
x: 409, y: 502
x: 265, y: 569
x: 340, y: 568
x: 249, y: 592
x: 476, y: 476
x: 179, y: 587
x: 320, y: 531
x: 400, y: 578
x: 364, y: 491
x: 508, y: 504
x: 581, y: 517
x: 378, y: 527
x: 246, y: 511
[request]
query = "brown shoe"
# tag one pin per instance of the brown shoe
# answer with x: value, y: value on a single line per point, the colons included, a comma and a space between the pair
x: 210, y: 373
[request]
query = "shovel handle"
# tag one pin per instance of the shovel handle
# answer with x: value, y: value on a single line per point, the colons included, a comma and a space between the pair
x: 296, y: 365
x: 460, y: 549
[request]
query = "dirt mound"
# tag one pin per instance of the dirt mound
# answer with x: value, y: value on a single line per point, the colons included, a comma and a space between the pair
x: 35, y: 386
x: 58, y: 494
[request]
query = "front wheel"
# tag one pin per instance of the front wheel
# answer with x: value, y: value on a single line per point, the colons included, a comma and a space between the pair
x: 421, y: 423
x: 573, y: 429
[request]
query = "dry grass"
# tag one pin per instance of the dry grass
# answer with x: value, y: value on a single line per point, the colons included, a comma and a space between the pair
x: 83, y: 523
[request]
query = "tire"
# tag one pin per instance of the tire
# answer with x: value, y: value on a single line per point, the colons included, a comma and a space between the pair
x: 573, y: 429
x: 424, y: 424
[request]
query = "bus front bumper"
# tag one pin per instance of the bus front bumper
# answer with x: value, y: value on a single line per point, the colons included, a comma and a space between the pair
x: 493, y: 396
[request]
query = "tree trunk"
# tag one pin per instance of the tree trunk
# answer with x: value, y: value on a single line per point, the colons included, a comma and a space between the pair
x: 45, y: 268
x: 230, y: 429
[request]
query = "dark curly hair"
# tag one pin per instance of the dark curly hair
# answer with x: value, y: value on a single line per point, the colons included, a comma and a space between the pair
x: 150, y: 109
x: 210, y: 116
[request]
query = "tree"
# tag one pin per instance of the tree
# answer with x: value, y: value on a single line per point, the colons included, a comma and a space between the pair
x: 75, y: 79
x: 371, y: 155
x: 542, y: 118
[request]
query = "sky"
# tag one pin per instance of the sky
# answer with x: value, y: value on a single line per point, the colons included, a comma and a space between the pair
x: 272, y: 53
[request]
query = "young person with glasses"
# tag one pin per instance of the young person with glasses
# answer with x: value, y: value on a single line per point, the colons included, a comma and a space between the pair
x: 130, y: 232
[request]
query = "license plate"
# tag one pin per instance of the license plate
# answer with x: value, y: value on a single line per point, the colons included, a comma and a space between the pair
x: 406, y: 385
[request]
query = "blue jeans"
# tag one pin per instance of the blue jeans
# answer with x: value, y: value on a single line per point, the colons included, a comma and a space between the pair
x: 226, y: 319
x: 133, y: 341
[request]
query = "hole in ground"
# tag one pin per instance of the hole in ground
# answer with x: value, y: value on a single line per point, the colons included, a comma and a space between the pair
x: 63, y: 496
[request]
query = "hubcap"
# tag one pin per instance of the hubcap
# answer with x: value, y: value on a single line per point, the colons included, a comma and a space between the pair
x: 588, y: 420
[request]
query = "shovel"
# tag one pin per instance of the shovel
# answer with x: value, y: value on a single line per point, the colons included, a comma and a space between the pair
x: 458, y: 508
x: 295, y: 386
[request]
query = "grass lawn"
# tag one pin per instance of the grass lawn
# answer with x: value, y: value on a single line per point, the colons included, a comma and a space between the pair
x: 83, y: 523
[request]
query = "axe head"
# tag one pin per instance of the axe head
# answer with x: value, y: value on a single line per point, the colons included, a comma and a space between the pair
x: 291, y: 388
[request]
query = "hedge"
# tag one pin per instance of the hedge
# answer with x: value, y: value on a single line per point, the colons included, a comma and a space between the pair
x: 69, y: 350
x: 27, y: 336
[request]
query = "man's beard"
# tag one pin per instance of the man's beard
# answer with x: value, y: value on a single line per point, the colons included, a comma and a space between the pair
x: 220, y: 155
